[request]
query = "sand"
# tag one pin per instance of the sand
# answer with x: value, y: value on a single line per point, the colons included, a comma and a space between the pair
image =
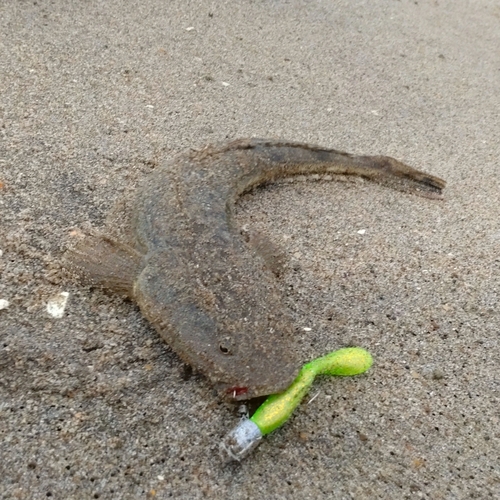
x: 95, y: 95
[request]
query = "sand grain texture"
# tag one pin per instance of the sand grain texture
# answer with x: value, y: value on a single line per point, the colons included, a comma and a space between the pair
x: 94, y: 96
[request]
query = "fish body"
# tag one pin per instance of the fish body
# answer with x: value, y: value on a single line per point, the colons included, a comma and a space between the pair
x: 210, y: 295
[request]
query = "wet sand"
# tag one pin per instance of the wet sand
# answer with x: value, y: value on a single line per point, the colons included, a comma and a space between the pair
x: 94, y: 96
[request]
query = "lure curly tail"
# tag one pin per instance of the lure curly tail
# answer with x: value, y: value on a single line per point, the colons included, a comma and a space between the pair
x: 277, y: 408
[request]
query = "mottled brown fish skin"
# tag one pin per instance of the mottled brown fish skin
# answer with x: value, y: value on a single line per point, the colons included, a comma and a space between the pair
x: 208, y: 293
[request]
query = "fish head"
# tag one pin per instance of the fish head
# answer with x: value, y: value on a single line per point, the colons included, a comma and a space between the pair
x: 243, y: 342
x: 243, y: 361
x: 253, y: 369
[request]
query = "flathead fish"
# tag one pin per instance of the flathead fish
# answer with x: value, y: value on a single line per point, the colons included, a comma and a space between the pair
x: 209, y: 294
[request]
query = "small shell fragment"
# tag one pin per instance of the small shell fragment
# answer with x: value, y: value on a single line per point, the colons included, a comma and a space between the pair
x: 57, y: 304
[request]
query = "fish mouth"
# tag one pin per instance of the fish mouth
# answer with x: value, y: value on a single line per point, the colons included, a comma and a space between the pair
x: 250, y: 387
x: 243, y: 392
x: 237, y: 393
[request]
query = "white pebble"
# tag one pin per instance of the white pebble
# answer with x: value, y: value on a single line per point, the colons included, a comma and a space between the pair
x: 191, y: 28
x: 362, y: 231
x: 57, y: 304
x: 225, y: 84
x: 306, y: 329
x: 4, y: 304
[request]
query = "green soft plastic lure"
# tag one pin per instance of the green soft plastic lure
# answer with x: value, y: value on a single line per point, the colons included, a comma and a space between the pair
x: 277, y: 408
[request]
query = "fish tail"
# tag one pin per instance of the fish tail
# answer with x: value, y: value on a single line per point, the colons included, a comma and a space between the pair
x: 285, y: 159
x: 395, y: 174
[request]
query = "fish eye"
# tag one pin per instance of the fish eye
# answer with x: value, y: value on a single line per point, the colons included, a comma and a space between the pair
x: 224, y: 349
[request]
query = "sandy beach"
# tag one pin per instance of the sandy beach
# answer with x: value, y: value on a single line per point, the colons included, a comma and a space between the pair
x: 96, y: 95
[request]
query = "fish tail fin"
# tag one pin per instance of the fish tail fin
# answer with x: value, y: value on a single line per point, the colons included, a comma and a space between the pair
x: 106, y: 262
